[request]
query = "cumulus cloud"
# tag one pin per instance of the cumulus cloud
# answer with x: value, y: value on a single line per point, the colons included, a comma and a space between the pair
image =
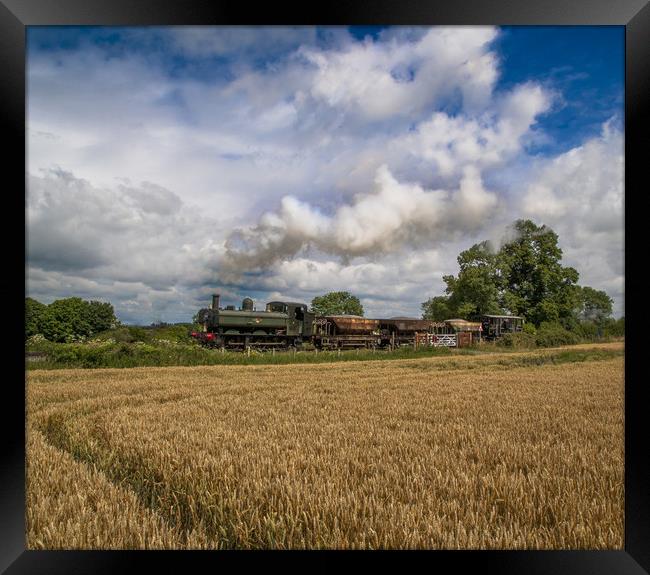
x: 399, y: 77
x: 394, y: 284
x: 450, y: 143
x: 221, y: 41
x: 103, y: 240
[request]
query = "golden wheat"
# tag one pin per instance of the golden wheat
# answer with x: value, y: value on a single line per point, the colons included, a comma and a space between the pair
x: 466, y: 452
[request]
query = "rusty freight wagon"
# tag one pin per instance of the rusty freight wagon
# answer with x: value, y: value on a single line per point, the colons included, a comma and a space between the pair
x: 449, y: 333
x: 401, y: 331
x: 346, y: 331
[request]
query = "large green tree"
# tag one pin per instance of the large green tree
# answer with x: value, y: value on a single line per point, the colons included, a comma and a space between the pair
x: 535, y: 283
x: 524, y: 276
x: 437, y: 308
x: 476, y: 290
x: 101, y: 316
x: 337, y: 303
x: 65, y: 319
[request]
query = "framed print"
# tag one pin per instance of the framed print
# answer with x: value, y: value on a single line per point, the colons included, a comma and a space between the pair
x: 347, y: 280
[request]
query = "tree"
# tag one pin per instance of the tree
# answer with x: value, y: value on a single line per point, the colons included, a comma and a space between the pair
x: 593, y: 305
x: 535, y: 283
x: 100, y: 316
x: 474, y: 292
x: 524, y: 277
x: 476, y: 289
x: 33, y: 316
x: 337, y: 303
x: 437, y: 309
x: 66, y: 319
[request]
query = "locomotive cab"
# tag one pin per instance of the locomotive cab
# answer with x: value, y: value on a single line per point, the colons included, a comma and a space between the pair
x: 299, y: 320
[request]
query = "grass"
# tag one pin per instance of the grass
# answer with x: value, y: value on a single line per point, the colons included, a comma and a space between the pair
x: 110, y: 354
x: 493, y: 451
x: 107, y: 353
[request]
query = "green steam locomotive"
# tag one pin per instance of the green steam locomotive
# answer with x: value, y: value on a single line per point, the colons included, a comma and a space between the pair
x: 280, y: 325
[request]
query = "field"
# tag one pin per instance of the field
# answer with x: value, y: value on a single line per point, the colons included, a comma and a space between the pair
x: 495, y: 451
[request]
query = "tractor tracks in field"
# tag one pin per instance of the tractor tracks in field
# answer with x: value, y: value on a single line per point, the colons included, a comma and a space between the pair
x: 171, y: 501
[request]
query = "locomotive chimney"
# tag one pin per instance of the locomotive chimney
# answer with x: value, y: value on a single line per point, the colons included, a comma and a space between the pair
x: 215, y: 302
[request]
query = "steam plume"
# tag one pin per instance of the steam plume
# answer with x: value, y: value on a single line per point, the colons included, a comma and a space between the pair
x: 384, y: 220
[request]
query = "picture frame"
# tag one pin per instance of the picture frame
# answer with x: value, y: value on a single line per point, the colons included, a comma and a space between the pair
x: 16, y: 15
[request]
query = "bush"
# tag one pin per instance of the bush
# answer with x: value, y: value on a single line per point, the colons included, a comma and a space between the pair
x: 519, y: 340
x: 36, y: 339
x: 124, y: 334
x: 68, y: 320
x: 138, y: 333
x: 554, y: 335
x: 177, y: 333
x: 34, y: 311
x: 588, y: 330
x: 614, y: 328
x: 530, y: 328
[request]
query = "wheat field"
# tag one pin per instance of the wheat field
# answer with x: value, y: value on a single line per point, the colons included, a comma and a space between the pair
x: 495, y: 451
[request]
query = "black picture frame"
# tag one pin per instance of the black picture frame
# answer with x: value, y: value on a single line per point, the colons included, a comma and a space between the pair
x: 15, y: 15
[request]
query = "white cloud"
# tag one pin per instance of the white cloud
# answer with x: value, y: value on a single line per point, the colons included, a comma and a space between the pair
x: 140, y: 236
x: 210, y: 41
x: 580, y: 195
x: 449, y: 144
x: 395, y: 284
x: 401, y: 76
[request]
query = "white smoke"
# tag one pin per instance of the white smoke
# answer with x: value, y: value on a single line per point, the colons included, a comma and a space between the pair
x: 393, y: 215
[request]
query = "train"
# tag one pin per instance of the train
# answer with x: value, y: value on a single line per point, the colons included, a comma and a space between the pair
x: 286, y: 325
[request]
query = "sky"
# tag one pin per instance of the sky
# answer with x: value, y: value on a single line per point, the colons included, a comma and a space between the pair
x: 166, y: 164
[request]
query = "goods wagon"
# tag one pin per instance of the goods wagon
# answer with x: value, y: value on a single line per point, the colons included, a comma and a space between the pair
x: 346, y: 331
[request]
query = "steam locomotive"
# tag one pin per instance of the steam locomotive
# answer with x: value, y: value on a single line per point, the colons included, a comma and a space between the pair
x: 281, y: 325
x: 289, y: 325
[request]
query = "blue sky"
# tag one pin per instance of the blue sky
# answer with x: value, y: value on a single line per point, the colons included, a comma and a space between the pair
x: 585, y: 64
x: 166, y: 163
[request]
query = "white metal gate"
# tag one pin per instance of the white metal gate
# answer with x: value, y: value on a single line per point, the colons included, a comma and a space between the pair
x: 437, y: 340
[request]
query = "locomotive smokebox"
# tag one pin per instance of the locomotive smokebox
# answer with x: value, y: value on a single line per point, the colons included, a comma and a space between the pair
x: 247, y: 304
x: 215, y: 301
